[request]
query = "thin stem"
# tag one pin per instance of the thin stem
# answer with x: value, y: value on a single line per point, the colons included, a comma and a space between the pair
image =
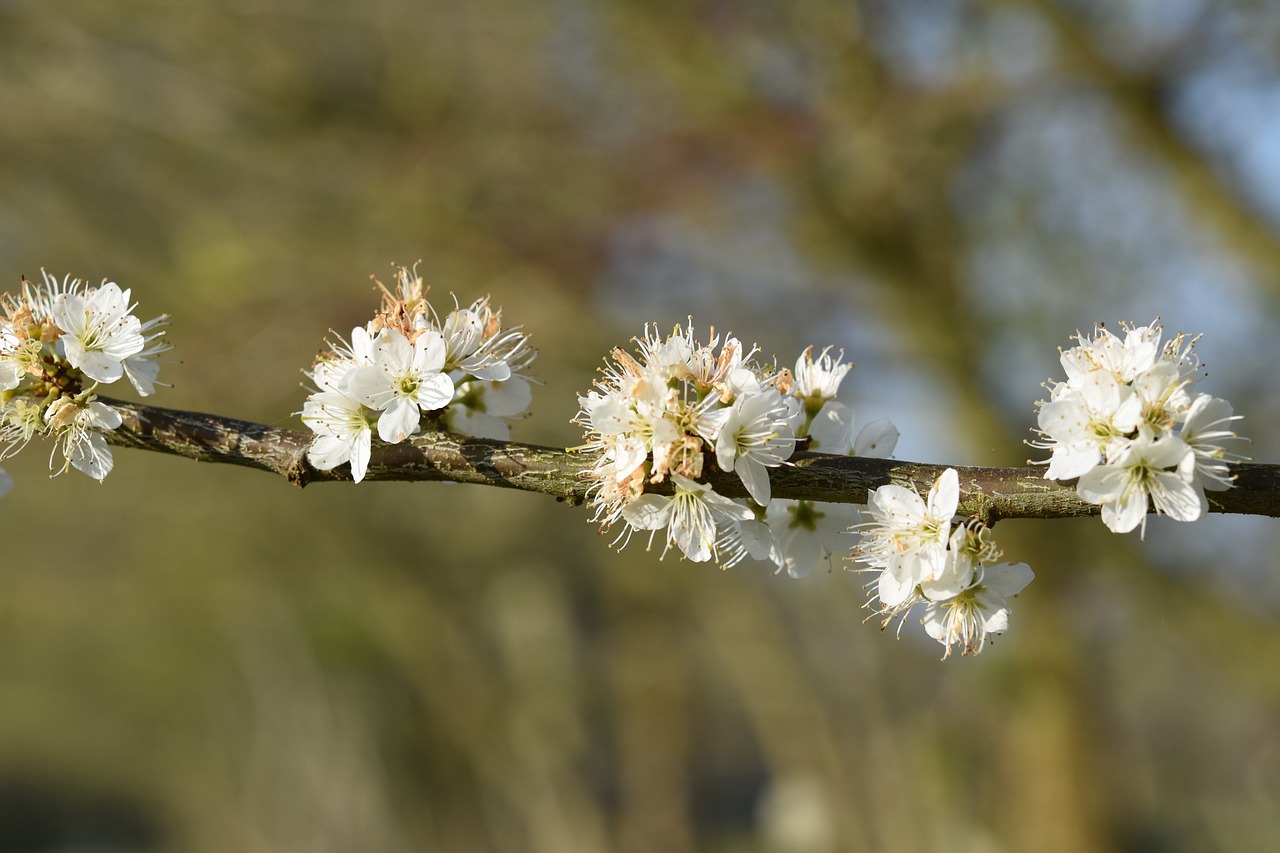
x: 991, y: 494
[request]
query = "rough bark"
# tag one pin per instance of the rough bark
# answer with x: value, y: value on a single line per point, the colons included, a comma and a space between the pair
x: 991, y: 494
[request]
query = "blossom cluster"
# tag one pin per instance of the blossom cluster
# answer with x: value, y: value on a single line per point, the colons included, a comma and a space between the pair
x: 801, y: 535
x: 1128, y: 423
x: 408, y: 364
x: 60, y: 341
x: 923, y: 556
x: 679, y: 406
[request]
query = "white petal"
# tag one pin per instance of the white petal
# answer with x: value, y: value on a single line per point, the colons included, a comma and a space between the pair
x: 392, y: 351
x: 328, y: 452
x: 955, y: 577
x: 944, y: 497
x: 497, y: 371
x: 479, y: 424
x: 1127, y: 512
x: 726, y: 448
x: 360, y: 448
x: 435, y: 392
x: 710, y: 423
x: 1007, y: 579
x: 102, y: 416
x: 142, y: 373
x: 896, y: 585
x: 508, y: 399
x: 1128, y: 414
x: 1167, y: 452
x: 802, y: 553
x: 1103, y: 484
x: 934, y: 623
x: 693, y: 539
x: 757, y: 538
x: 1206, y: 411
x: 1063, y: 419
x: 996, y: 620
x: 876, y: 440
x: 628, y: 456
x: 1073, y: 460
x: 400, y: 420
x: 361, y: 346
x: 95, y: 364
x: 1177, y: 498
x: 832, y: 428
x: 92, y: 456
x: 1101, y: 393
x: 724, y: 507
x: 895, y: 504
x: 10, y: 375
x: 648, y: 512
x: 429, y: 352
x: 756, y: 478
x: 369, y: 385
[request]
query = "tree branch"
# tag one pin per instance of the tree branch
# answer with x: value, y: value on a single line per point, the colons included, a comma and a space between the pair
x: 991, y: 494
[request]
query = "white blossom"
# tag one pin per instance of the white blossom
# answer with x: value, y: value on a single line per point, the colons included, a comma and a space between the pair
x: 690, y: 517
x: 403, y: 381
x: 922, y: 558
x: 966, y: 618
x: 98, y: 332
x: 876, y: 440
x: 407, y: 362
x: 1204, y: 428
x: 60, y: 340
x: 344, y: 431
x: 818, y: 379
x: 483, y: 408
x: 21, y: 419
x: 831, y: 429
x: 809, y: 534
x: 1128, y: 424
x: 12, y: 366
x: 660, y: 413
x: 78, y: 428
x: 1083, y: 426
x: 476, y: 346
x: 142, y: 367
x: 1160, y: 470
x: 907, y: 536
x: 754, y: 437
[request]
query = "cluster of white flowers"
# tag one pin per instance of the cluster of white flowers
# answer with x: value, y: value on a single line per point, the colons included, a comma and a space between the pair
x: 923, y: 557
x: 666, y: 414
x: 59, y: 341
x: 1129, y: 425
x: 799, y: 536
x: 408, y: 363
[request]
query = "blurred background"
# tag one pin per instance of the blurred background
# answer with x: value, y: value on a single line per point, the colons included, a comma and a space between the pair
x: 200, y: 658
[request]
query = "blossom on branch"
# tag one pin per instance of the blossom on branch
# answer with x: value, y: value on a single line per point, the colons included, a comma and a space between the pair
x: 805, y: 535
x: 665, y: 414
x: 966, y: 618
x: 923, y: 557
x: 60, y: 341
x: 1129, y: 425
x: 676, y: 407
x: 908, y: 535
x: 408, y: 366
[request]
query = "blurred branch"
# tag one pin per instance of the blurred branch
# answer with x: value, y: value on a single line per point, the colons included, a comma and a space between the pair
x: 1140, y: 98
x: 991, y: 494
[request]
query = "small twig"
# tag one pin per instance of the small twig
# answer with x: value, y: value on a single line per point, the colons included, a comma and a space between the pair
x: 991, y: 494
